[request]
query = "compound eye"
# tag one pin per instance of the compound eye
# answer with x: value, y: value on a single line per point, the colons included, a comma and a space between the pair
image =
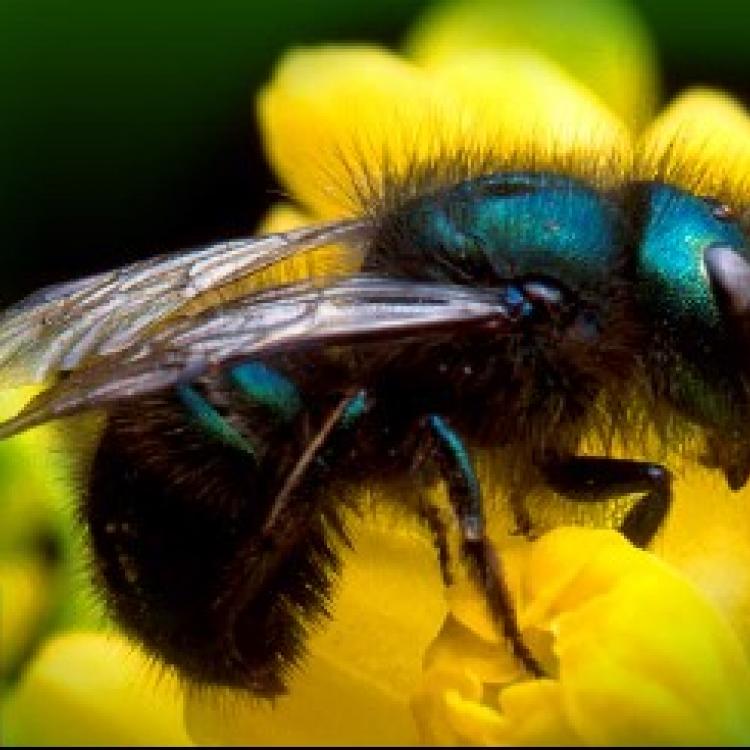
x: 729, y: 272
x: 719, y: 210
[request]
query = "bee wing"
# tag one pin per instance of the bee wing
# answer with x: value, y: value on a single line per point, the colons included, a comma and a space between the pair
x: 357, y: 309
x: 58, y: 328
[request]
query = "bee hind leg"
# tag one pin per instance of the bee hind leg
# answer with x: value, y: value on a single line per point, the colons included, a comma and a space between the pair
x: 279, y: 579
x: 598, y: 479
x: 465, y: 497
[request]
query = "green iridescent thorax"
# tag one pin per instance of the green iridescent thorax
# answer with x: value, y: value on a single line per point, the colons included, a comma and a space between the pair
x: 675, y: 294
x: 511, y: 225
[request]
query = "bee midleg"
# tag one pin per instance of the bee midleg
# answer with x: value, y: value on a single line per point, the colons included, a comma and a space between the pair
x: 465, y: 497
x: 596, y: 479
x: 438, y: 527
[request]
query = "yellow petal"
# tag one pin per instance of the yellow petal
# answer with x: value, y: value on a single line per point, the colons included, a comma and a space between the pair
x: 339, y: 123
x: 707, y: 537
x: 35, y: 499
x: 364, y: 664
x: 93, y: 689
x: 27, y: 595
x: 658, y: 652
x: 438, y: 701
x: 530, y: 114
x: 477, y: 651
x: 601, y: 43
x: 534, y: 712
x: 701, y: 142
x: 643, y: 656
x: 332, y: 116
x: 32, y: 472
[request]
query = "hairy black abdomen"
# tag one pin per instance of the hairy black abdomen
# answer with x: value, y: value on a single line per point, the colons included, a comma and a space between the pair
x: 174, y: 519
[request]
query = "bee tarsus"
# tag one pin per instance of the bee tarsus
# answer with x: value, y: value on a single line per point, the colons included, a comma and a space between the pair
x: 598, y: 479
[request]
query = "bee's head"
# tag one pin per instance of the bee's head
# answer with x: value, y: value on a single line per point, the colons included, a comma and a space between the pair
x: 693, y: 284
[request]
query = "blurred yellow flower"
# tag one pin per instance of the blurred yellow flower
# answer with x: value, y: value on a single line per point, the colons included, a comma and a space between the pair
x: 93, y: 689
x: 34, y: 576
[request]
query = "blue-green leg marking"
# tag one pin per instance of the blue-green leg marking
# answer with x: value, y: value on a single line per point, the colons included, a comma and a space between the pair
x: 458, y: 472
x: 264, y: 386
x: 211, y: 421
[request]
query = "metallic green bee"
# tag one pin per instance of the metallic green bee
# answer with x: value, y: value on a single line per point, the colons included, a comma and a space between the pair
x: 509, y: 309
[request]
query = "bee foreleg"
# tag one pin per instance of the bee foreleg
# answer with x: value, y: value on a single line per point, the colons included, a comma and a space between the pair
x: 596, y: 479
x: 465, y: 497
x: 730, y: 456
x: 521, y: 515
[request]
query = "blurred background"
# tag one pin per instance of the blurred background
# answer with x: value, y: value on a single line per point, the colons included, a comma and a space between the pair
x: 127, y: 126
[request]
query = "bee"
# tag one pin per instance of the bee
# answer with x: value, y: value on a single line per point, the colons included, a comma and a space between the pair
x: 507, y: 309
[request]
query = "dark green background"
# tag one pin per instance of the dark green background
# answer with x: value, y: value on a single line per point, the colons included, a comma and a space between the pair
x: 126, y: 127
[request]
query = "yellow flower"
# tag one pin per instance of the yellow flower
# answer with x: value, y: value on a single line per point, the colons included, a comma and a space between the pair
x: 636, y: 655
x: 36, y: 581
x: 637, y: 651
x: 93, y: 689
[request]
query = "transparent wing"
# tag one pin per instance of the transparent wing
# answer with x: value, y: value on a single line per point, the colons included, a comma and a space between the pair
x: 357, y: 309
x: 60, y: 327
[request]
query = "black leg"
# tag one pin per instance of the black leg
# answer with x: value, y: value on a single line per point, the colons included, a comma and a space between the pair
x: 484, y: 563
x: 594, y: 479
x: 521, y: 516
x: 439, y: 529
